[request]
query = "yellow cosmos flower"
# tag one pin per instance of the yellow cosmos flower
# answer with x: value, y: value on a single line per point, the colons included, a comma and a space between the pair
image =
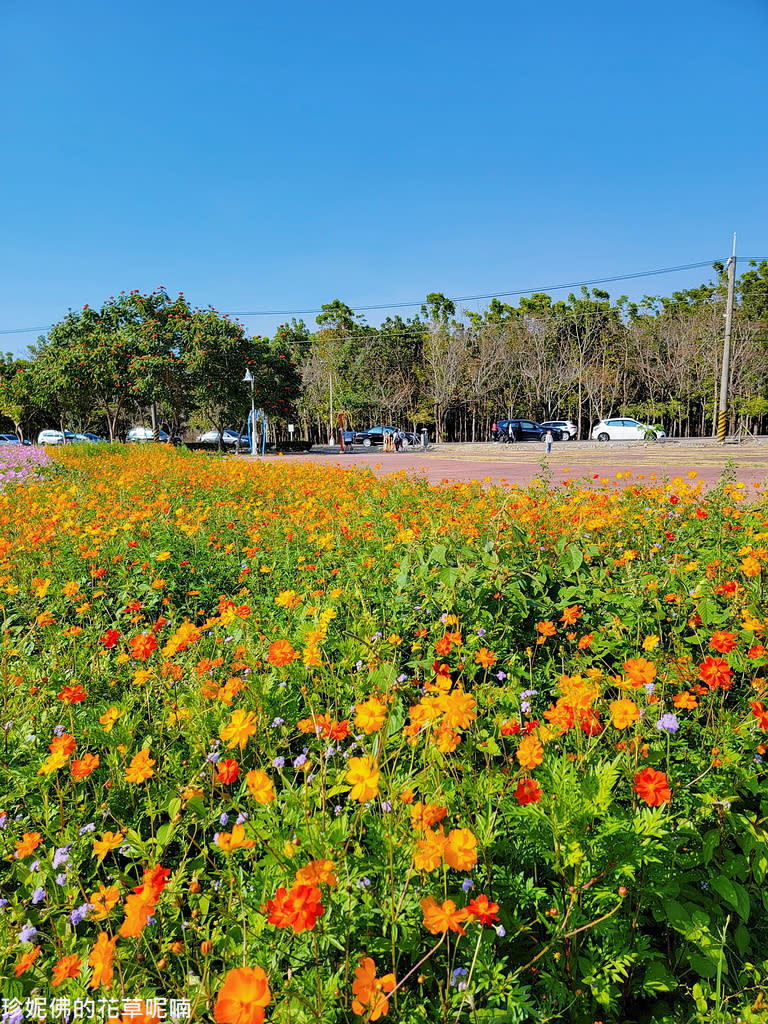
x: 363, y: 774
x: 241, y: 726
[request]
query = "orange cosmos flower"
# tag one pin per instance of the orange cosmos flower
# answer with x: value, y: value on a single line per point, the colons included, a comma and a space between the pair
x: 103, y: 901
x: 442, y: 917
x: 482, y: 910
x: 685, y: 700
x: 241, y: 726
x: 82, y: 768
x: 281, y: 653
x: 67, y: 967
x: 429, y: 850
x: 369, y: 991
x: 64, y: 744
x: 460, y: 849
x: 363, y: 774
x: 585, y: 641
x: 26, y: 961
x: 459, y: 709
x: 571, y: 615
x: 652, y: 787
x: 142, y: 646
x: 100, y: 959
x: 109, y: 718
x: 760, y: 713
x: 234, y: 840
x: 716, y: 673
x: 546, y: 628
x: 227, y: 771
x: 485, y: 658
x: 530, y: 753
x: 242, y: 997
x: 424, y: 816
x: 639, y: 671
x: 624, y: 713
x: 370, y: 715
x: 317, y: 872
x: 260, y: 786
x: 722, y: 641
x: 750, y: 566
x: 300, y: 908
x: 140, y: 768
x: 28, y: 843
x: 528, y: 792
x: 109, y: 841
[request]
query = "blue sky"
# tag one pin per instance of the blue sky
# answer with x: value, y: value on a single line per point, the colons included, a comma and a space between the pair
x: 277, y: 156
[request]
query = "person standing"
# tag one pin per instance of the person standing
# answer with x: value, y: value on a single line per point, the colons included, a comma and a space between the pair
x: 548, y: 439
x: 495, y: 431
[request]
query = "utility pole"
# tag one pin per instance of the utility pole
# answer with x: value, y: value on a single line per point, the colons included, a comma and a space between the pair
x: 725, y: 375
x: 330, y: 392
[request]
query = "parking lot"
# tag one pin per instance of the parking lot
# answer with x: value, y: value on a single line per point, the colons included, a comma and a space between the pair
x: 618, y: 462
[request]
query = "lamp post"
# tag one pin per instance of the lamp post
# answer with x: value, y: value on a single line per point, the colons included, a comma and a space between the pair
x: 248, y: 379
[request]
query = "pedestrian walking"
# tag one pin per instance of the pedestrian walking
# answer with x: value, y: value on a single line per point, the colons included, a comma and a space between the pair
x: 548, y: 439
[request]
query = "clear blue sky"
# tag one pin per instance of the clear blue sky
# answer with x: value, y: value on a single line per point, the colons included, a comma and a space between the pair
x: 275, y: 156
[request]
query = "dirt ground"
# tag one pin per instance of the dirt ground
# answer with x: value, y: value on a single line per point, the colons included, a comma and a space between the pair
x: 617, y: 462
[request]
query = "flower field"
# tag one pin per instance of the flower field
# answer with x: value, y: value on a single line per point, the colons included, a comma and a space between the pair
x: 292, y: 743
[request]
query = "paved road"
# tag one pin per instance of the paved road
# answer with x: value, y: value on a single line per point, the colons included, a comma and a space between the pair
x: 617, y: 462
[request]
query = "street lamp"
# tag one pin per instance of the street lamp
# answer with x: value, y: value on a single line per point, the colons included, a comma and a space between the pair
x: 248, y: 379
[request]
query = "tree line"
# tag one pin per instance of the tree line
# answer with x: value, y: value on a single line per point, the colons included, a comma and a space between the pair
x: 583, y: 358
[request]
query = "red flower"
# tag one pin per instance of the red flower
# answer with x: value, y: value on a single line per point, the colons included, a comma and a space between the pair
x: 73, y: 694
x: 110, y: 638
x: 722, y: 641
x: 510, y: 728
x: 528, y: 792
x: 653, y: 787
x: 142, y: 646
x: 760, y: 713
x: 716, y: 673
x: 227, y: 771
x: 482, y: 910
x: 299, y: 908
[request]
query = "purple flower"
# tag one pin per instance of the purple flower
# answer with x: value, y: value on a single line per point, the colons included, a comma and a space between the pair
x: 79, y: 913
x: 481, y: 632
x: 501, y: 676
x: 386, y: 805
x: 458, y: 978
x: 35, y: 865
x: 501, y: 931
x: 38, y: 895
x: 59, y: 730
x: 223, y: 819
x: 668, y: 723
x: 242, y: 817
x: 27, y: 934
x: 467, y: 884
x: 3, y: 820
x: 61, y: 856
x: 363, y: 883
x: 276, y: 722
x: 61, y: 879
x: 15, y: 1016
x: 279, y: 762
x: 300, y: 761
x: 213, y: 757
x: 90, y: 827
x: 3, y: 902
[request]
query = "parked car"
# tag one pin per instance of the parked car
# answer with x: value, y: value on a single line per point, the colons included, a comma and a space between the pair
x: 375, y: 435
x: 525, y: 430
x: 228, y: 436
x: 567, y: 428
x: 55, y: 437
x: 625, y: 429
x: 10, y: 439
x: 144, y: 434
x: 91, y: 437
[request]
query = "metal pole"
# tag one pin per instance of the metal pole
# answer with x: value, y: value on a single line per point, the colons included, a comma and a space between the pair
x: 153, y: 414
x: 724, y: 378
x: 253, y: 421
x: 330, y: 388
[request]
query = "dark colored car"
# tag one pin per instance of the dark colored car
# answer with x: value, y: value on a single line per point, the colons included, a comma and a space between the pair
x: 11, y: 439
x: 525, y: 430
x: 375, y: 435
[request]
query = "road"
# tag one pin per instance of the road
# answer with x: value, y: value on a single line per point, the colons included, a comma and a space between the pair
x: 615, y: 462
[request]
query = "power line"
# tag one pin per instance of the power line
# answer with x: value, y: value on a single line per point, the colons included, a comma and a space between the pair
x: 459, y: 298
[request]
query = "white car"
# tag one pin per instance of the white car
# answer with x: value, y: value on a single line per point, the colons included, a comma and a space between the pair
x: 55, y: 437
x: 228, y: 436
x: 567, y: 428
x: 144, y: 434
x: 625, y: 429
